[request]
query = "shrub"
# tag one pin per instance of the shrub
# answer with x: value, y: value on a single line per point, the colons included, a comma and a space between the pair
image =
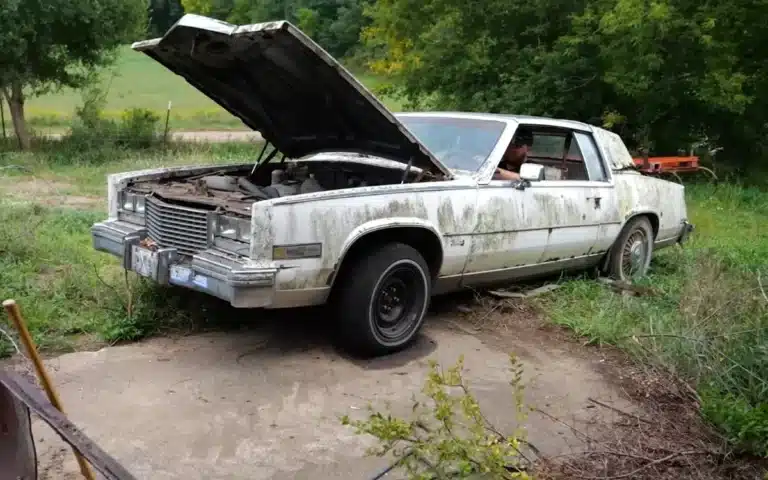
x: 93, y: 137
x: 449, y: 437
x: 138, y: 128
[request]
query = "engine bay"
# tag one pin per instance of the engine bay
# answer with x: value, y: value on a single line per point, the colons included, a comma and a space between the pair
x: 235, y: 191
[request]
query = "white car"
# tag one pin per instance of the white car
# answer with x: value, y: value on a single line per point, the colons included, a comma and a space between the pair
x: 367, y: 211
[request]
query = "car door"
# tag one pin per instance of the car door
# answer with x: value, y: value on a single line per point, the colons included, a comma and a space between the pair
x: 508, y: 235
x: 605, y: 207
x: 544, y: 226
x: 581, y: 204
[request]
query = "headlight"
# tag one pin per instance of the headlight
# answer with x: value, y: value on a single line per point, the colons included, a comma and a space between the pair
x: 233, y: 228
x: 130, y: 202
x: 140, y: 204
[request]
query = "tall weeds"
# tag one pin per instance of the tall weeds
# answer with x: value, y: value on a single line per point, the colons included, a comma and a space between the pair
x: 708, y: 321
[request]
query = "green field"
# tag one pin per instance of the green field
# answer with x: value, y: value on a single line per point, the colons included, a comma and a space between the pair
x: 137, y: 81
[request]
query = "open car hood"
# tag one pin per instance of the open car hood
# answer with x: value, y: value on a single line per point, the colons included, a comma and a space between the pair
x: 282, y: 84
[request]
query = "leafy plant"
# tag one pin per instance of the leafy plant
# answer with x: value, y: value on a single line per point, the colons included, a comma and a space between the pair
x: 138, y: 128
x: 450, y: 437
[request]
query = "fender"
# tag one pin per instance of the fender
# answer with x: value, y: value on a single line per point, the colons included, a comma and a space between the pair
x: 635, y: 212
x: 376, y: 226
x: 654, y: 217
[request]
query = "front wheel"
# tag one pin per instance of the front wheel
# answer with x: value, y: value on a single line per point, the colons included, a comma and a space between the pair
x: 382, y: 300
x: 630, y: 256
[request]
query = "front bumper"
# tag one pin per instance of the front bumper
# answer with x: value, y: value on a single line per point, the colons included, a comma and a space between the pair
x: 685, y: 234
x: 216, y: 273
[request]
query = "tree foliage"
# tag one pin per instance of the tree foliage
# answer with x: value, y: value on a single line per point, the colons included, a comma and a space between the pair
x: 662, y: 72
x: 334, y: 24
x: 162, y: 15
x: 47, y: 44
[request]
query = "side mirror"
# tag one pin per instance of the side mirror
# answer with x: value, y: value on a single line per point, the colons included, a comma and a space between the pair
x: 532, y: 172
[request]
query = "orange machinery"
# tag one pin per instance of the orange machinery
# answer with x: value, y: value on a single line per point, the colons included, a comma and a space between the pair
x: 668, y: 164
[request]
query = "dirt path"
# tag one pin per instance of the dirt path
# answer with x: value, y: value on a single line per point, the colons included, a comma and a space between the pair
x: 264, y: 402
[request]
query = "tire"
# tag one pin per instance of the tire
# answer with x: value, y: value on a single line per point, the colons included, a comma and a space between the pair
x: 630, y: 256
x: 382, y: 301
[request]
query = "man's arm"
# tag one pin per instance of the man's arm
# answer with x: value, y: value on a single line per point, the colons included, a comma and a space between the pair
x: 502, y: 174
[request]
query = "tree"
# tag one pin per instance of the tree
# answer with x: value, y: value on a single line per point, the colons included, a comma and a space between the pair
x: 162, y: 15
x: 47, y: 44
x: 661, y: 72
x: 219, y: 9
x: 333, y: 24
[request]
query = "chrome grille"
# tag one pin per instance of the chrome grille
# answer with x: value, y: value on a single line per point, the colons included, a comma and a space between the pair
x: 171, y: 226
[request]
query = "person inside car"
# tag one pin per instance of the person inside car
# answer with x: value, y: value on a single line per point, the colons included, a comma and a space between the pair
x: 514, y: 156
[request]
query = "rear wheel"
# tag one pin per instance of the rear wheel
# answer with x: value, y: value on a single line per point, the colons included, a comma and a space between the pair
x: 382, y: 300
x: 630, y: 256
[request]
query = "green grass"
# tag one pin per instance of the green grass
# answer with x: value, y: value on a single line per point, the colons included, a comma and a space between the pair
x: 137, y: 81
x: 68, y: 292
x: 708, y: 323
x: 85, y: 172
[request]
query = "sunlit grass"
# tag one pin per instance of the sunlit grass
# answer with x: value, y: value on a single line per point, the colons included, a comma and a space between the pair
x: 137, y: 81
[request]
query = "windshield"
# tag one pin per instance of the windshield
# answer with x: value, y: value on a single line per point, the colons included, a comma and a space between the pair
x: 459, y: 143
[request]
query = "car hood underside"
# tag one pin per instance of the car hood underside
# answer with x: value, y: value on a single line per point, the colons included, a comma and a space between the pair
x: 282, y: 84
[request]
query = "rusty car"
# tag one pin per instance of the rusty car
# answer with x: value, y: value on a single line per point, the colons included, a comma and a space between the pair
x: 365, y: 211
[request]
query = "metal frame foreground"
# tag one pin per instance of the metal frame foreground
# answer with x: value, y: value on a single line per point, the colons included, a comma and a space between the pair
x: 18, y: 457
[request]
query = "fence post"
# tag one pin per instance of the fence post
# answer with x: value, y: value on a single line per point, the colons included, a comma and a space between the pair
x: 167, y: 118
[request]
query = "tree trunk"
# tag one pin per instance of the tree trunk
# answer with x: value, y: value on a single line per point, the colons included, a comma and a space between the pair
x: 2, y: 114
x: 15, y: 97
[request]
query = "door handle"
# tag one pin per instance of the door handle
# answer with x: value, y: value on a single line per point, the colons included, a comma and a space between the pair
x: 596, y: 200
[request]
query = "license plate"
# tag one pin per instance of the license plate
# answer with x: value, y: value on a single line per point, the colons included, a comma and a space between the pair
x: 180, y: 273
x: 144, y: 262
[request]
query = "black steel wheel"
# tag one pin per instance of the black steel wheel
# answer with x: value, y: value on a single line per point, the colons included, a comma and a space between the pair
x: 382, y: 300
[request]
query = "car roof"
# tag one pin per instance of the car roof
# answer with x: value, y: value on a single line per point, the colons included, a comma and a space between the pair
x: 530, y: 119
x: 616, y: 152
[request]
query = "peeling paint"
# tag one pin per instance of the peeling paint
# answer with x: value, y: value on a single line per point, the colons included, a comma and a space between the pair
x: 613, y: 149
x: 641, y: 194
x: 485, y: 230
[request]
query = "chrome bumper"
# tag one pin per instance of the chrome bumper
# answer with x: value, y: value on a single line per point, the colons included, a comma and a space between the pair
x: 210, y: 271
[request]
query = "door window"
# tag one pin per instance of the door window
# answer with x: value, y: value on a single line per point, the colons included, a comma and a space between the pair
x: 591, y: 157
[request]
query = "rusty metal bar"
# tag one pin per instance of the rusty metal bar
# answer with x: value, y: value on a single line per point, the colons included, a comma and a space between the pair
x: 15, y: 315
x: 30, y: 395
x: 18, y: 456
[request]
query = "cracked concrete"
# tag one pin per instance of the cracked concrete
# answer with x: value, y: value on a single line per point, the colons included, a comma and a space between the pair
x: 264, y: 402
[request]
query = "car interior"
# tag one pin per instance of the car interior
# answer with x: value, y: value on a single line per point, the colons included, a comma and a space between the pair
x: 558, y: 151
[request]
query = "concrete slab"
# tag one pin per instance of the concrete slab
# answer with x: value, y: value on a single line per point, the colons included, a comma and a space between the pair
x: 264, y: 402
